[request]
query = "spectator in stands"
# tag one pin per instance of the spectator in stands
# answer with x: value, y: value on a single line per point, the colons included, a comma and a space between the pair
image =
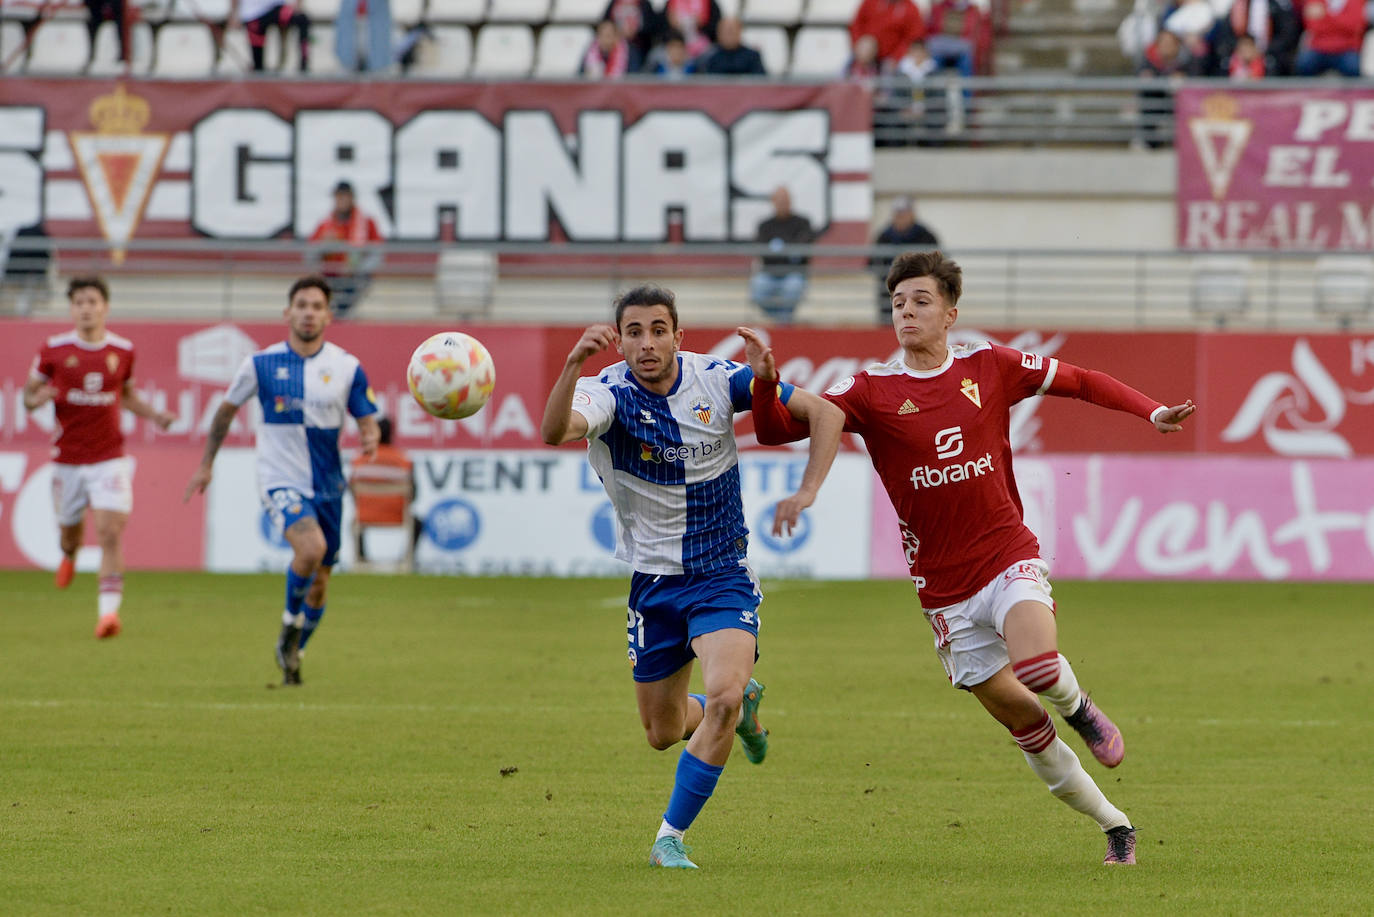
x: 388, y: 465
x: 917, y: 64
x: 348, y: 253
x: 1275, y: 27
x: 1192, y: 23
x: 257, y: 16
x: 902, y: 230
x: 610, y: 56
x: 697, y: 20
x: 1166, y: 57
x: 730, y: 57
x: 1333, y: 36
x: 643, y: 24
x: 1247, y: 63
x: 863, y: 64
x: 951, y: 21
x: 671, y: 60
x: 378, y: 16
x: 113, y: 10
x: 780, y: 283
x: 895, y: 23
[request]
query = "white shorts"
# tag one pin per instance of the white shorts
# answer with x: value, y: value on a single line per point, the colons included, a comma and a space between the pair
x: 968, y: 634
x: 104, y: 485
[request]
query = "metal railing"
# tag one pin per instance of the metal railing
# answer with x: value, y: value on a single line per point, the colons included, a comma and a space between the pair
x: 573, y: 284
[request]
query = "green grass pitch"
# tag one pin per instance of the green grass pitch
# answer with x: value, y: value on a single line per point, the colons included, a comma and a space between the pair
x: 163, y: 773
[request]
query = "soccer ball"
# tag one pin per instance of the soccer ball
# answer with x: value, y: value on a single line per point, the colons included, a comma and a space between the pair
x: 451, y: 375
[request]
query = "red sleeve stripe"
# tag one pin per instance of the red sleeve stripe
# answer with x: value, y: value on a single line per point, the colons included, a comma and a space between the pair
x: 1037, y: 738
x: 1039, y: 673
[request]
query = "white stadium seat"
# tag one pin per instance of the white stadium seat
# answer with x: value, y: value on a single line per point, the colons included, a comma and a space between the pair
x: 561, y: 49
x: 728, y: 7
x: 200, y: 10
x: 406, y: 13
x: 771, y: 42
x: 1345, y: 286
x: 60, y: 46
x: 830, y: 12
x: 234, y: 56
x: 184, y: 49
x: 323, y: 60
x: 457, y: 10
x: 577, y: 10
x: 1221, y: 286
x: 518, y: 11
x: 772, y: 12
x: 323, y: 10
x: 503, y: 51
x: 820, y: 52
x: 449, y: 54
x: 11, y: 40
x: 105, y: 56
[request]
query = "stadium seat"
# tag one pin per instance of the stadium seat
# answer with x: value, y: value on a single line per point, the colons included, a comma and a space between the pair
x: 184, y: 49
x: 771, y: 43
x: 322, y: 10
x: 1345, y: 286
x: 59, y: 46
x: 830, y: 12
x: 588, y: 11
x: 465, y: 280
x: 503, y: 51
x: 531, y: 11
x: 105, y: 55
x: 449, y: 54
x: 457, y: 10
x: 365, y: 482
x: 234, y: 56
x: 561, y: 49
x: 1221, y: 286
x: 11, y: 40
x: 729, y: 7
x: 323, y: 60
x: 820, y: 52
x: 407, y: 12
x: 1367, y: 54
x: 199, y: 10
x: 772, y: 12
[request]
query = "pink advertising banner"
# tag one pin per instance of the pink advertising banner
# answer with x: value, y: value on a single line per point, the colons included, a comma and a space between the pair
x: 1290, y: 170
x: 1128, y: 517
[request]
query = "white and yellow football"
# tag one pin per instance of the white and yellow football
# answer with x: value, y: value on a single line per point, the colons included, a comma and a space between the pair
x: 451, y: 375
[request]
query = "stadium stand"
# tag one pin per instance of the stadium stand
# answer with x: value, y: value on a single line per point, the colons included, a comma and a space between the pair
x: 447, y: 53
x: 469, y: 11
x: 820, y: 52
x: 526, y: 11
x: 323, y: 60
x: 234, y: 56
x: 771, y: 43
x: 503, y: 51
x: 1221, y: 287
x: 13, y: 53
x: 1345, y: 287
x: 183, y: 49
x: 587, y: 11
x: 773, y: 12
x: 830, y: 12
x: 560, y: 50
x: 201, y: 10
x: 105, y: 55
x: 59, y: 46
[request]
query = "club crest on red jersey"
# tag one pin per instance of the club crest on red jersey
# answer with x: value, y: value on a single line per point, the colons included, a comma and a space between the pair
x: 970, y: 390
x: 71, y: 361
x: 112, y: 361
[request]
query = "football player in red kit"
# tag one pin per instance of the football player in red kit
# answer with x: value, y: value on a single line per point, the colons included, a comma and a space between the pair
x: 87, y: 373
x: 936, y: 424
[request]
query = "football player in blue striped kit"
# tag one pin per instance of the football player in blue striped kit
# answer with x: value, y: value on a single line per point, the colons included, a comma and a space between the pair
x: 660, y: 432
x: 305, y: 387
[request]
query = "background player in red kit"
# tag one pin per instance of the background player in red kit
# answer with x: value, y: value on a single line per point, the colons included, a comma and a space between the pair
x: 87, y: 373
x: 936, y: 424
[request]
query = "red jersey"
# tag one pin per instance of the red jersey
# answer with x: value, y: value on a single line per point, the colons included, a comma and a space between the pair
x: 358, y: 229
x: 90, y: 380
x: 940, y: 442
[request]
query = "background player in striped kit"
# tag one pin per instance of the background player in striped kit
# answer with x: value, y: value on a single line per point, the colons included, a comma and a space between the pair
x: 88, y: 373
x: 661, y: 437
x: 305, y: 387
x: 936, y: 424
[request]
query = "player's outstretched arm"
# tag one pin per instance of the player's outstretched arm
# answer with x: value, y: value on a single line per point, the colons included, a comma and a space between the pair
x: 1170, y: 420
x: 774, y: 424
x: 135, y: 404
x: 561, y: 424
x: 219, y: 429
x: 37, y: 392
x: 826, y: 423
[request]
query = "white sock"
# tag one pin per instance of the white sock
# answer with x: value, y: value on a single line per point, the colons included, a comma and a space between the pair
x: 111, y: 594
x: 297, y: 620
x: 1062, y: 772
x: 667, y: 830
x: 1064, y: 695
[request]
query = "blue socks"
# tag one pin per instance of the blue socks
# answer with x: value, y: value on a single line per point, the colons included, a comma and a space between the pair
x: 296, y: 588
x: 696, y: 781
x: 312, y: 621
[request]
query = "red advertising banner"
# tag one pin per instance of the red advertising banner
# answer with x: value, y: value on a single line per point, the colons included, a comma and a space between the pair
x: 595, y: 162
x: 1275, y: 170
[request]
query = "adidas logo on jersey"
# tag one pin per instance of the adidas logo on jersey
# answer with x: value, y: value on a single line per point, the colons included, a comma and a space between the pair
x: 907, y: 408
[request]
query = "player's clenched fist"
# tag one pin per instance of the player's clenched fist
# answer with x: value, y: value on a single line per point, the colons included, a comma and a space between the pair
x: 594, y: 340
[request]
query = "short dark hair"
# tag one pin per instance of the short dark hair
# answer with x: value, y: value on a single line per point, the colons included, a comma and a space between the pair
x: 948, y: 276
x: 88, y: 281
x: 384, y: 430
x: 311, y: 280
x: 646, y: 294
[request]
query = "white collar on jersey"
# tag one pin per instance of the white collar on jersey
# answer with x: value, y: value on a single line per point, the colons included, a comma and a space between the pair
x: 928, y: 373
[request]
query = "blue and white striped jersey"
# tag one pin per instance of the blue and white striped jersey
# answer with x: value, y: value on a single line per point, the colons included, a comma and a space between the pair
x: 669, y: 464
x: 303, y: 403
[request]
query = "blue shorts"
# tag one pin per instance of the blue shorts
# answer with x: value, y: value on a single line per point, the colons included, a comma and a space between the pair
x: 287, y: 506
x: 667, y: 612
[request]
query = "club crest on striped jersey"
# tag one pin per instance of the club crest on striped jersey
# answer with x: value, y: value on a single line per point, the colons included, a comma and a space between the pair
x: 702, y: 408
x: 970, y: 390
